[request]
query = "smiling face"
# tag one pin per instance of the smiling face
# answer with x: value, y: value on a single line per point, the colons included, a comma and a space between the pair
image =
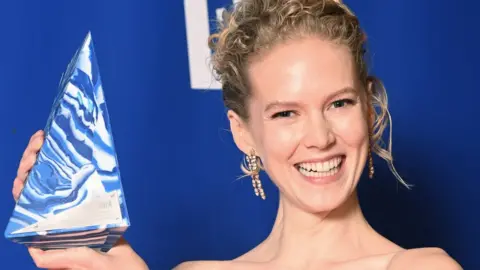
x: 307, y: 122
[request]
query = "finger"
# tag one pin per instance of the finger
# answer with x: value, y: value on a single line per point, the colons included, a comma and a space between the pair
x: 29, y: 157
x: 17, y: 188
x: 34, y: 144
x: 67, y: 258
x: 25, y: 166
x: 36, y: 134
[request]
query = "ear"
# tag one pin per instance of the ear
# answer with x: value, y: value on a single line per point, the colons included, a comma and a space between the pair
x: 240, y: 132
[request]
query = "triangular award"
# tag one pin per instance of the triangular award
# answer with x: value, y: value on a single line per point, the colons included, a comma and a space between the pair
x: 73, y: 195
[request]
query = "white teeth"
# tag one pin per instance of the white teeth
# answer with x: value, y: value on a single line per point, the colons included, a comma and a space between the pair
x: 320, y: 169
x: 318, y: 174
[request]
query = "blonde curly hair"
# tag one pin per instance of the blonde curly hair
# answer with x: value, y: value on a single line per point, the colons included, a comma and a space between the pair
x: 254, y: 26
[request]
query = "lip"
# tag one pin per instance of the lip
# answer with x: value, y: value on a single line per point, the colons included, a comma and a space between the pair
x: 324, y: 180
x: 322, y: 159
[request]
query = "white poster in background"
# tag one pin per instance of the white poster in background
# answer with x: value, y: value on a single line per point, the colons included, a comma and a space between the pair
x: 198, y: 30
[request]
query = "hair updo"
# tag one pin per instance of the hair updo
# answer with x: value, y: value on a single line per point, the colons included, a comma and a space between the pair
x: 254, y: 26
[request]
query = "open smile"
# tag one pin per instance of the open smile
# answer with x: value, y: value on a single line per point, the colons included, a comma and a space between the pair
x: 321, y: 172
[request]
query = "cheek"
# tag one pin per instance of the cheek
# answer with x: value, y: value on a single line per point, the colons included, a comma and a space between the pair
x: 279, y: 142
x: 351, y: 128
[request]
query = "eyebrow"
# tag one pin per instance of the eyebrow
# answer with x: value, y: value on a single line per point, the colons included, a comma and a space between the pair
x: 278, y: 103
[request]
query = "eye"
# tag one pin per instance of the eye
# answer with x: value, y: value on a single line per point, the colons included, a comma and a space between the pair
x: 283, y: 114
x: 342, y: 103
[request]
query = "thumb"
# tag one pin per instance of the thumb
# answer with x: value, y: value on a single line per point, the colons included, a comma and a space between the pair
x: 82, y: 258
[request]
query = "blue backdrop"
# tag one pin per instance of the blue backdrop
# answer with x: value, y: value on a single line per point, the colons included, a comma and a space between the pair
x: 178, y: 161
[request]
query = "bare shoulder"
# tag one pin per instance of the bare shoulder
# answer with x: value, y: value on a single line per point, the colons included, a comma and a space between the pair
x: 218, y: 265
x: 200, y: 265
x: 424, y: 258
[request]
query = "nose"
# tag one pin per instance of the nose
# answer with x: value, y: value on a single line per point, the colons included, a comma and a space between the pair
x: 318, y: 134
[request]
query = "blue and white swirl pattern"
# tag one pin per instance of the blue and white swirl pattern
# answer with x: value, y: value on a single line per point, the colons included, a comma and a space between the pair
x: 76, y: 164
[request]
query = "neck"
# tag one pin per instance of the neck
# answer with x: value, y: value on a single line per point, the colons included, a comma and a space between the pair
x: 299, y: 236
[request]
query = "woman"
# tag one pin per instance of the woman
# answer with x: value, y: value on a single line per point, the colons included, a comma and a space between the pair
x: 303, y: 107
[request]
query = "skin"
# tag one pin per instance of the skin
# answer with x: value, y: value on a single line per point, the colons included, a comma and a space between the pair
x: 319, y: 111
x: 318, y: 226
x: 120, y: 257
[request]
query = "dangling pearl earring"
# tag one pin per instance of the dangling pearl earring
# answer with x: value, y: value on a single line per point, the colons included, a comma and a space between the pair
x: 253, y: 163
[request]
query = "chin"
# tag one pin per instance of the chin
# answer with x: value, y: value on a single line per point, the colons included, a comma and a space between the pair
x: 323, y: 189
x: 328, y: 203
